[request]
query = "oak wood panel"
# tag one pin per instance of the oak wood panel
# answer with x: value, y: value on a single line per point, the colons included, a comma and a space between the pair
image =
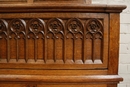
x: 77, y: 85
x: 53, y: 85
x: 109, y: 79
x: 64, y: 43
x: 114, y: 43
x: 112, y: 85
x: 52, y: 72
x: 71, y: 8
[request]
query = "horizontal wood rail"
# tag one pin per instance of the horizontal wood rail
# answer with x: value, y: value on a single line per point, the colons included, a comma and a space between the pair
x: 18, y: 8
x: 62, y: 79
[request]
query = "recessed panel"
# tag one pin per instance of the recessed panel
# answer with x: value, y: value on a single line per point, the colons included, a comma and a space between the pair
x: 71, y: 43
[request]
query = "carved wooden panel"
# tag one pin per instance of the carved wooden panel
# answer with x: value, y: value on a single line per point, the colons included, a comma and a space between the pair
x: 74, y: 41
x: 55, y: 38
x: 53, y: 41
x: 94, y: 40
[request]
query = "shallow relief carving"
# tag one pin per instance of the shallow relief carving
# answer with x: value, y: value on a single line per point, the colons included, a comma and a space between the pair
x: 94, y: 36
x: 73, y: 41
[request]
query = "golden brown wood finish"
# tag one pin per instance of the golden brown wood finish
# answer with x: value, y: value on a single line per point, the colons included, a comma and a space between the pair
x: 44, y: 1
x: 114, y: 85
x: 58, y: 43
x: 61, y: 50
x: 114, y: 43
x: 63, y: 1
x: 52, y: 85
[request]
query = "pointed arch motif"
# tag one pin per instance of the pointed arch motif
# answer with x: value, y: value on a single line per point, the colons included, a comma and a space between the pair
x: 55, y: 26
x: 75, y: 35
x: 55, y: 36
x: 36, y: 36
x: 17, y: 36
x: 94, y: 35
x: 4, y: 40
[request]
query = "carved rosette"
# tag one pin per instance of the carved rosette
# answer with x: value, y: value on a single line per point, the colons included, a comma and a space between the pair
x: 36, y: 26
x: 55, y: 26
x: 94, y: 28
x: 17, y: 26
x: 75, y: 27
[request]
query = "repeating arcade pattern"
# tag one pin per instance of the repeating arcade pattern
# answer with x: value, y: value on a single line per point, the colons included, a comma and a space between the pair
x: 55, y: 38
x: 94, y: 36
x: 52, y: 40
x: 75, y: 40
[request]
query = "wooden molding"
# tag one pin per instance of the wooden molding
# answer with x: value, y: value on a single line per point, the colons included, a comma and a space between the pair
x: 62, y: 79
x: 21, y: 8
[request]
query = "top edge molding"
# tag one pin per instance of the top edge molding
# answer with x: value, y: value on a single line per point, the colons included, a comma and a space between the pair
x: 27, y: 8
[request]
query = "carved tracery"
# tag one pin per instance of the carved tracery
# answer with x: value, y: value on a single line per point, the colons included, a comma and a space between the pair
x: 36, y: 34
x: 75, y: 37
x: 17, y: 36
x: 94, y: 36
x: 3, y: 39
x: 55, y: 35
x: 56, y: 27
x: 67, y: 40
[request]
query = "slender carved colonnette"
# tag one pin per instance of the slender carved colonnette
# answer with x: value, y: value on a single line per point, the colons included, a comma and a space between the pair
x: 54, y: 40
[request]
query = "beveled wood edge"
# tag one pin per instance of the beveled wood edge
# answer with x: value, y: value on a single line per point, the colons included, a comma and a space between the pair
x: 25, y: 8
x: 62, y: 79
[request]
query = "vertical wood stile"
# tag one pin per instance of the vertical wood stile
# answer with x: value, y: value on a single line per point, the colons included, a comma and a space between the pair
x: 93, y: 52
x: 114, y: 43
x: 54, y: 49
x: 26, y: 44
x: 74, y: 50
x: 8, y: 47
x: 45, y: 45
x: 8, y: 42
x: 83, y: 47
x: 35, y: 48
x: 17, y: 49
x: 64, y: 46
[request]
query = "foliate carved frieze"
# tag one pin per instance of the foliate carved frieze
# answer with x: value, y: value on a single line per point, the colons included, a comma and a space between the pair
x: 55, y: 36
